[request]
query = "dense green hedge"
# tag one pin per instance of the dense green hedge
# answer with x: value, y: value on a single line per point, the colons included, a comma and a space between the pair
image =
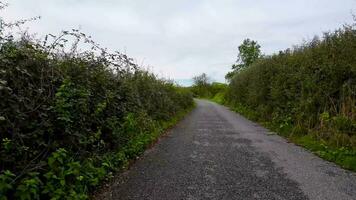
x: 311, y: 88
x: 208, y: 90
x: 67, y: 120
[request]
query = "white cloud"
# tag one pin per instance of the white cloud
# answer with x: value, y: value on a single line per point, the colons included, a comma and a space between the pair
x: 183, y: 38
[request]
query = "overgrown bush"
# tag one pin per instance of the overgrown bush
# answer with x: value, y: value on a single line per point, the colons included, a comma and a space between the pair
x: 68, y: 118
x: 312, y: 86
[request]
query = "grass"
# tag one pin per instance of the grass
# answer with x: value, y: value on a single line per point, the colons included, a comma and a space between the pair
x: 139, y: 144
x: 218, y: 98
x: 345, y: 157
x: 129, y: 153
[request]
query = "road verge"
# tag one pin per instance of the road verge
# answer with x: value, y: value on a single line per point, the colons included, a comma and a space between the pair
x: 344, y: 157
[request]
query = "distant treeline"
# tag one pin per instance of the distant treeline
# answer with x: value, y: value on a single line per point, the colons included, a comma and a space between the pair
x: 204, y: 88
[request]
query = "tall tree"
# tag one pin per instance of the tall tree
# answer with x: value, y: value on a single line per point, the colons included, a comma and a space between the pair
x: 201, y: 80
x: 249, y: 52
x: 201, y: 85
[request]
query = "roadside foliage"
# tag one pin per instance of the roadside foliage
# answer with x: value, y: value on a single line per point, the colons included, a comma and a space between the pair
x: 204, y: 88
x: 309, y: 91
x: 70, y: 118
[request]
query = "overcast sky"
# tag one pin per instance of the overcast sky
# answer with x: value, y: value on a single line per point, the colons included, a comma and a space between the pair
x: 183, y: 38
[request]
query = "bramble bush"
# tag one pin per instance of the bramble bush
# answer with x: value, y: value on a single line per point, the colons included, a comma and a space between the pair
x: 70, y: 118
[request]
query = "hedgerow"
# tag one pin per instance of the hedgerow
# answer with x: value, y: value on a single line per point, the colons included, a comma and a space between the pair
x: 307, y: 90
x: 70, y: 118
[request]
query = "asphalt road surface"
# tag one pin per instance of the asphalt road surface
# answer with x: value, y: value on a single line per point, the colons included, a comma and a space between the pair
x: 215, y: 153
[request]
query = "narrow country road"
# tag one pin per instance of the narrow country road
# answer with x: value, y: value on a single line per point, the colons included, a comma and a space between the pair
x: 216, y: 154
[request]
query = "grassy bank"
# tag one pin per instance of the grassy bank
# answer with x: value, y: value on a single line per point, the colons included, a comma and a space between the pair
x: 120, y: 160
x: 343, y: 156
